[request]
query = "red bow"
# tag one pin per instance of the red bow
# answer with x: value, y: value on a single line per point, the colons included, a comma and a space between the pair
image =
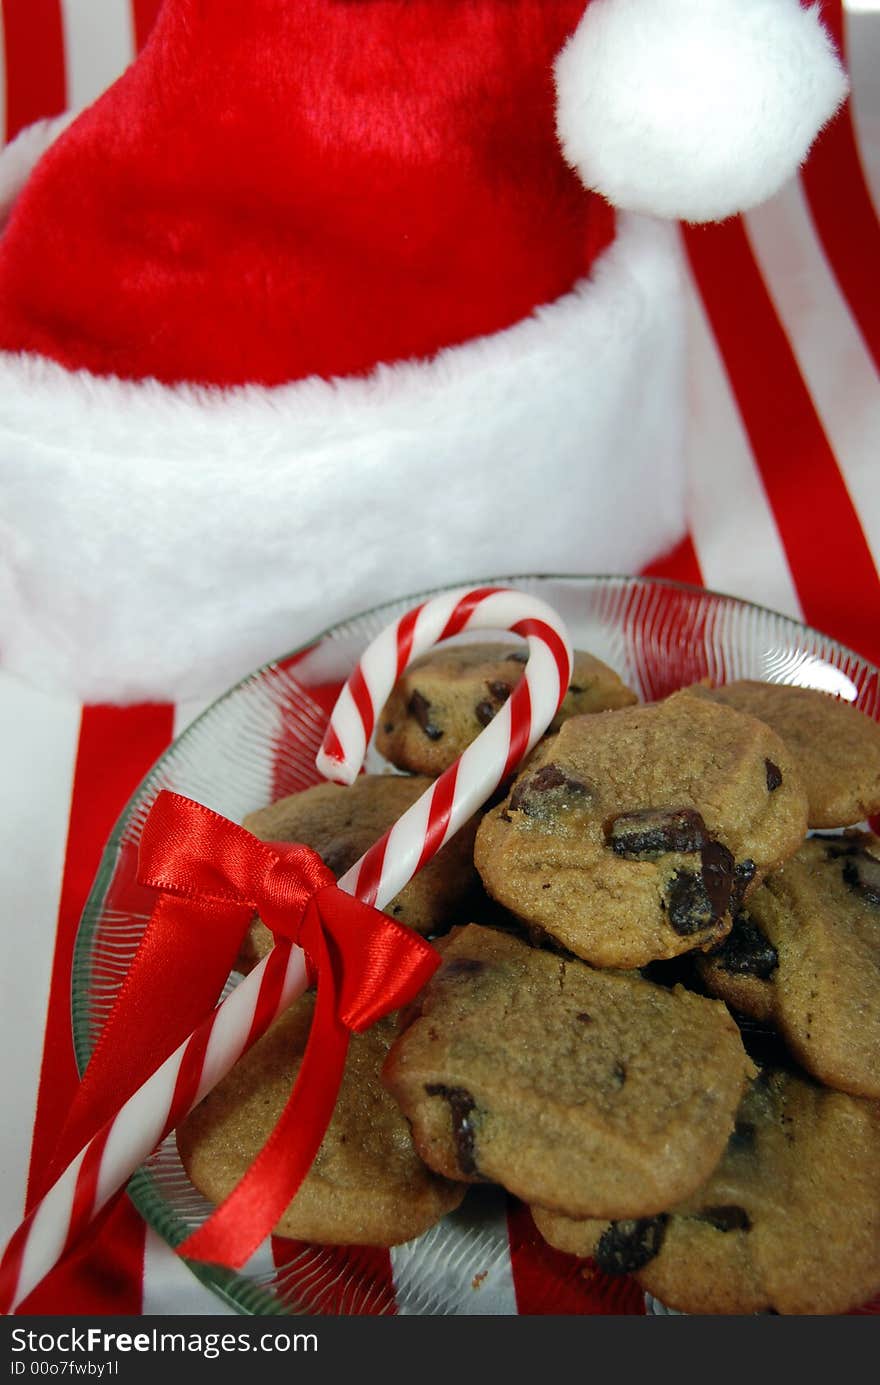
x: 214, y: 876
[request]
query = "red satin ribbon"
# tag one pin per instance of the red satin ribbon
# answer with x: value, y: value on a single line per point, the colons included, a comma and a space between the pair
x: 213, y: 876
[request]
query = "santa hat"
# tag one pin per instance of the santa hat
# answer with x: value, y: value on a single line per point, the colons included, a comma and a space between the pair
x: 323, y: 303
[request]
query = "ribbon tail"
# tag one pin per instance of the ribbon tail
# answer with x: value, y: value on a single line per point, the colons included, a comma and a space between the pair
x: 252, y: 1210
x: 150, y: 1016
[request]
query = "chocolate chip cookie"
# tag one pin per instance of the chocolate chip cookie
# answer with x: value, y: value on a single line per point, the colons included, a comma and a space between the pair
x: 806, y: 956
x: 367, y: 1185
x: 577, y: 1089
x: 835, y: 746
x: 444, y: 699
x: 341, y: 823
x: 636, y: 833
x: 789, y: 1221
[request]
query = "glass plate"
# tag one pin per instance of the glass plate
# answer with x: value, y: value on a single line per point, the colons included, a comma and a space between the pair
x: 257, y: 743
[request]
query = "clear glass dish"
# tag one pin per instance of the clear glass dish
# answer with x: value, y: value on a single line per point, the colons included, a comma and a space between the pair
x: 258, y: 742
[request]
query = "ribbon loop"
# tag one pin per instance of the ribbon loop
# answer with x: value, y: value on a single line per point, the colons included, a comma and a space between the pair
x: 365, y: 964
x: 291, y: 880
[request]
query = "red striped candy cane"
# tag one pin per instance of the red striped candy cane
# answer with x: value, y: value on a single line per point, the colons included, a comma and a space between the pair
x: 106, y: 1163
x: 383, y: 870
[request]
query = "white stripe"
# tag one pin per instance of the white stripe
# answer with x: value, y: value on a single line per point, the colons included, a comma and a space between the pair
x: 235, y: 1015
x: 38, y: 742
x: 462, y: 1265
x: 171, y: 1288
x: 48, y: 1231
x: 137, y: 1129
x: 863, y: 60
x: 733, y: 529
x: 406, y: 841
x: 346, y: 723
x: 98, y: 46
x: 379, y: 667
x: 830, y: 352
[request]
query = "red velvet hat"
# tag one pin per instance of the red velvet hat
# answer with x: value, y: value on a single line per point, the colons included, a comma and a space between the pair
x: 320, y: 303
x: 233, y: 210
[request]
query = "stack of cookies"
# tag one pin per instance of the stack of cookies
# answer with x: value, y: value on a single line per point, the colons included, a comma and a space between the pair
x: 662, y: 1031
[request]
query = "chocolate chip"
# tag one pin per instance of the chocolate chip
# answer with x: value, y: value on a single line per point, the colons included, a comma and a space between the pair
x: 654, y: 831
x: 774, y: 775
x: 500, y: 691
x: 546, y: 778
x: 743, y: 875
x: 687, y: 903
x: 420, y: 708
x: 696, y: 901
x: 861, y: 871
x: 575, y: 688
x: 461, y: 1105
x: 584, y: 1017
x: 529, y: 793
x: 726, y: 1218
x: 717, y: 873
x: 618, y: 1072
x: 746, y: 951
x: 629, y: 1245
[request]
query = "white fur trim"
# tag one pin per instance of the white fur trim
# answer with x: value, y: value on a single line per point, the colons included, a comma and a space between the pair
x: 18, y: 159
x: 694, y: 109
x: 159, y: 542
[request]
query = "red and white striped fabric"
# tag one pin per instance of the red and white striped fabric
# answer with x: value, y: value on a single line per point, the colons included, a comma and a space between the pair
x: 785, y: 510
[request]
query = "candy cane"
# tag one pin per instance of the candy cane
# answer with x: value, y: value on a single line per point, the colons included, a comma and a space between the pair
x: 106, y: 1163
x: 383, y: 870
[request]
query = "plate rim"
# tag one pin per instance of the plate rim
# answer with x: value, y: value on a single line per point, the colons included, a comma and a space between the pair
x: 263, y: 1301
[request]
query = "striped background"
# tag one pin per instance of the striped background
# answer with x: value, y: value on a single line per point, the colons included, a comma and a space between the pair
x: 784, y: 510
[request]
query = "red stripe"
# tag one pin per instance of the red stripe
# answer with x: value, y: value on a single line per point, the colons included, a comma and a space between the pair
x: 680, y: 564
x: 520, y: 727
x: 117, y: 745
x: 86, y: 1189
x: 334, y: 1281
x: 442, y: 797
x: 843, y: 213
x: 332, y: 746
x: 143, y: 14
x: 103, y: 1274
x: 371, y: 870
x: 10, y: 1265
x: 830, y: 562
x: 464, y: 610
x: 546, y: 1282
x: 358, y: 688
x: 554, y: 642
x: 269, y: 995
x: 189, y: 1074
x: 405, y: 632
x: 35, y: 79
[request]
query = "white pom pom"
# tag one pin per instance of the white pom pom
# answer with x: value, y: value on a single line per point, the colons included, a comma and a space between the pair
x: 18, y: 159
x: 694, y: 108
